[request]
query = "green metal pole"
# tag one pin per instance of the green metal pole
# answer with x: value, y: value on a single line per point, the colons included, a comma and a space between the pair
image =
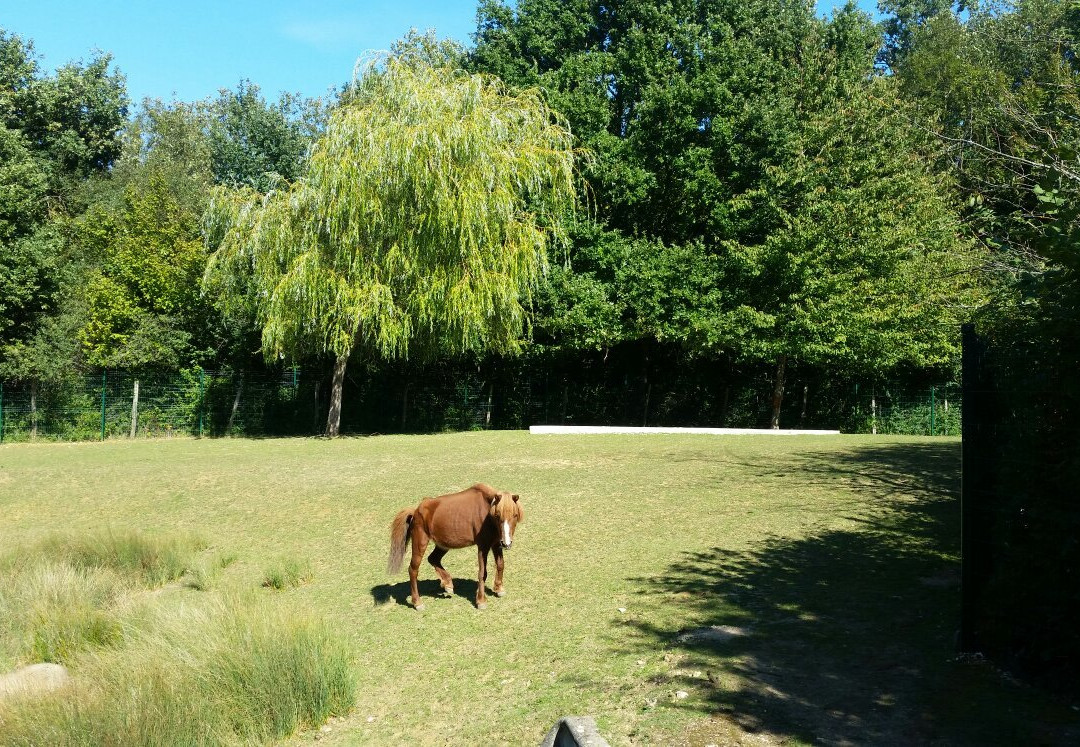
x: 932, y: 404
x: 202, y: 389
x: 855, y: 410
x: 294, y: 384
x: 1, y: 412
x: 103, y: 405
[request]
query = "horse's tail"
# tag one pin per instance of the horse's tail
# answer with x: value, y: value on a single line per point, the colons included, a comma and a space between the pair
x: 399, y: 538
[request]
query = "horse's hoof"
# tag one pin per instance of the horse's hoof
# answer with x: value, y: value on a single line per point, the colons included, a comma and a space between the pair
x: 481, y: 605
x: 418, y: 607
x: 448, y: 592
x: 500, y: 593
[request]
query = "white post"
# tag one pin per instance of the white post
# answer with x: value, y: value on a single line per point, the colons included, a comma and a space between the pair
x: 134, y: 408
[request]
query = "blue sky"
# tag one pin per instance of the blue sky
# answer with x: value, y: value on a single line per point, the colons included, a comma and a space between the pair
x: 191, y: 48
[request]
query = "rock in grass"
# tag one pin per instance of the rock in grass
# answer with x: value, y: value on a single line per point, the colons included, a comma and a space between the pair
x: 36, y: 679
x: 574, y: 730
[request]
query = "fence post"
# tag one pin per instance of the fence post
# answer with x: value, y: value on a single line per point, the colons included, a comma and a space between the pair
x: 1, y: 412
x: 103, y: 371
x: 202, y: 398
x: 932, y: 404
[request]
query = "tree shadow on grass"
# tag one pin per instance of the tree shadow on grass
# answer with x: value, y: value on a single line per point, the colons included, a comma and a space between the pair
x: 845, y: 636
x: 429, y: 590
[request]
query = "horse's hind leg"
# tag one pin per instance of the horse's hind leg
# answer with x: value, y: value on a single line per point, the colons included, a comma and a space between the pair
x: 444, y: 576
x: 419, y: 544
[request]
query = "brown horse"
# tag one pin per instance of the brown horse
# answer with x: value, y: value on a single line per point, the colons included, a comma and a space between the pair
x: 480, y: 516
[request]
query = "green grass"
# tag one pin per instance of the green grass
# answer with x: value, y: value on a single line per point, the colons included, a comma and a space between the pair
x: 832, y: 559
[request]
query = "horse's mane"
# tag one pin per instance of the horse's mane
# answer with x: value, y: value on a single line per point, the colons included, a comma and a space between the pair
x: 485, y: 490
x: 508, y: 509
x: 504, y: 510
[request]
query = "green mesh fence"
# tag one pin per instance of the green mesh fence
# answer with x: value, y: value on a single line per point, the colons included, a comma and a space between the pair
x: 926, y: 412
x: 124, y: 404
x: 450, y: 397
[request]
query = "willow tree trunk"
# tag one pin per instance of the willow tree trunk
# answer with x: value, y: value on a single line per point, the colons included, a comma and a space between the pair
x: 235, y: 403
x: 778, y: 390
x: 333, y: 417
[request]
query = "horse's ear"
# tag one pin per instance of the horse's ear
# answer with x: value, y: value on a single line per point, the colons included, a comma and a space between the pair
x: 495, y: 499
x: 515, y: 497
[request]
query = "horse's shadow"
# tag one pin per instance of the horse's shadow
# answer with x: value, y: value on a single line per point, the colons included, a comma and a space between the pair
x: 429, y: 589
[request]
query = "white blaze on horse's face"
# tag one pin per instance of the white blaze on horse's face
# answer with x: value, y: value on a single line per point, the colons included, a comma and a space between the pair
x: 506, y: 538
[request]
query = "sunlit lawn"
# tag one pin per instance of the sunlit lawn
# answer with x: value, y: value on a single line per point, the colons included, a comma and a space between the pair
x: 828, y: 564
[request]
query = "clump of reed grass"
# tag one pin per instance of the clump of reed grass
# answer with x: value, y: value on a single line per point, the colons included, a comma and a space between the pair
x: 202, y: 575
x: 287, y: 572
x: 66, y: 593
x: 223, y: 673
x: 190, y: 670
x: 51, y: 611
x: 154, y: 559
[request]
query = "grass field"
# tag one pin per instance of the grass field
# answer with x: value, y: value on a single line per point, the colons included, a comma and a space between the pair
x: 681, y: 589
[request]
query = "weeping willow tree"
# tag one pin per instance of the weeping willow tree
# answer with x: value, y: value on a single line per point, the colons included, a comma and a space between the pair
x: 423, y: 218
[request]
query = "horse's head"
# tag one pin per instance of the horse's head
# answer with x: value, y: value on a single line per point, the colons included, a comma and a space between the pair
x: 507, y: 513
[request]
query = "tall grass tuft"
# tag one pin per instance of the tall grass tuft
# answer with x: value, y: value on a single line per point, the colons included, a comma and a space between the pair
x: 52, y: 611
x: 287, y: 572
x: 67, y: 593
x: 153, y: 559
x: 228, y: 672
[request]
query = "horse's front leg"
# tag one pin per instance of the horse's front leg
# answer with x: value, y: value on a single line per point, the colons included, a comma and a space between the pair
x: 481, y: 560
x: 497, y: 551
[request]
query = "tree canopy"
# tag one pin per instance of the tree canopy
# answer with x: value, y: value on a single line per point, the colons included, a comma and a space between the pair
x: 422, y: 217
x: 788, y: 209
x: 56, y: 132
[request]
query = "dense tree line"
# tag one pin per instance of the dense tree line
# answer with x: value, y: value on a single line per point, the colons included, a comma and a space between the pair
x: 760, y: 188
